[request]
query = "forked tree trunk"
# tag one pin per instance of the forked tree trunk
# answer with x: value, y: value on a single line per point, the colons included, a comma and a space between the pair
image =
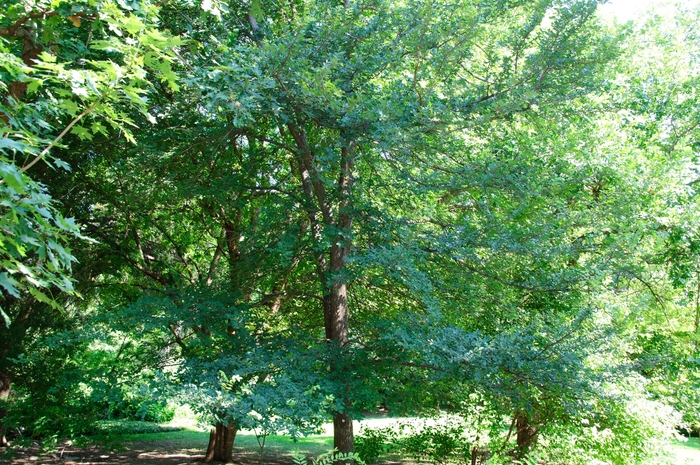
x: 220, y: 447
x: 5, y: 386
x: 321, y: 218
x: 526, y: 433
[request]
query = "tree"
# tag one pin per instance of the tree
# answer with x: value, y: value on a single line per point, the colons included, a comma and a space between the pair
x: 315, y: 108
x: 343, y: 90
x: 659, y: 123
x: 65, y: 63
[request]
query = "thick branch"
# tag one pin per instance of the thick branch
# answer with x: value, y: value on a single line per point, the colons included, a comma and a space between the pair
x: 12, y: 31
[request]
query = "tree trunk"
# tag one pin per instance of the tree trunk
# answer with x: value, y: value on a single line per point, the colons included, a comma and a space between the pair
x: 5, y: 386
x: 220, y: 447
x: 526, y: 433
x: 321, y: 218
x: 30, y: 52
x: 343, y: 434
x: 697, y: 307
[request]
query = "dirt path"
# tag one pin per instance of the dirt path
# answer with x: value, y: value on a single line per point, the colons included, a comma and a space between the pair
x: 137, y: 453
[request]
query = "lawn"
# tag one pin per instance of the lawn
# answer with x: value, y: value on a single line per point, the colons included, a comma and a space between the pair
x: 188, y: 444
x: 686, y: 452
x: 281, y: 448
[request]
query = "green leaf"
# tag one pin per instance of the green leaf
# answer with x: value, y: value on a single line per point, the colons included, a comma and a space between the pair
x: 256, y: 10
x: 34, y: 85
x: 9, y: 283
x: 70, y: 106
x: 41, y: 297
x: 14, y: 181
x: 7, y: 143
x: 133, y: 24
x: 82, y: 132
x: 47, y: 57
x: 5, y: 318
x: 98, y: 127
x: 62, y: 164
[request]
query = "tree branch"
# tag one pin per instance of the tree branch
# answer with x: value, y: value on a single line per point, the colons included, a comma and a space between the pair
x: 60, y: 136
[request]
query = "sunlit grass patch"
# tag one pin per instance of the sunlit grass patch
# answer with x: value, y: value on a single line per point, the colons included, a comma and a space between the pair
x: 684, y: 452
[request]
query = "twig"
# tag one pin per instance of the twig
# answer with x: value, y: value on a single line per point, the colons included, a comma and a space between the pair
x: 60, y: 136
x: 510, y: 431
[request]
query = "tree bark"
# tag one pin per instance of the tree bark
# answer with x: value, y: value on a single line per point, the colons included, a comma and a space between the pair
x: 343, y: 434
x: 323, y: 218
x: 526, y: 433
x: 5, y: 387
x: 220, y: 448
x: 30, y: 52
x: 697, y: 306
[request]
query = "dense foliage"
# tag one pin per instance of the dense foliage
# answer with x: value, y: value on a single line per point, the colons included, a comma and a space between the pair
x: 283, y: 213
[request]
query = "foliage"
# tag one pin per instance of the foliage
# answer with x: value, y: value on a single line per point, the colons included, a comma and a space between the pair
x: 141, y: 403
x: 122, y: 427
x: 621, y: 428
x: 328, y: 458
x: 446, y: 439
x: 440, y: 443
x: 274, y: 388
x: 74, y: 379
x: 484, y: 208
x: 35, y: 256
x: 371, y: 444
x: 66, y: 79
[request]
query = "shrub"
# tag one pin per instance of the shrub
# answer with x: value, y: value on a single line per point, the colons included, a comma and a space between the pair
x: 625, y: 432
x: 439, y: 443
x: 371, y: 444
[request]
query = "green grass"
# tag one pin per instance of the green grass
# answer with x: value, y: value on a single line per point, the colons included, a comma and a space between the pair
x: 686, y: 452
x: 185, y: 434
x: 246, y: 443
x: 679, y: 453
x: 133, y: 427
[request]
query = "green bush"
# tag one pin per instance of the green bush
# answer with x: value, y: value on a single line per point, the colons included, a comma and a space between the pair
x: 143, y: 408
x: 371, y: 444
x: 625, y: 431
x: 115, y: 427
x: 440, y: 443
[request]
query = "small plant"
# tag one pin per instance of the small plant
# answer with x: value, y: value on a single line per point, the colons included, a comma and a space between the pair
x: 532, y: 458
x: 328, y: 458
x: 261, y: 437
x: 299, y: 459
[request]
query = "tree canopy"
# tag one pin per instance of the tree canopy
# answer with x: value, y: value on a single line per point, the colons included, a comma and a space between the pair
x: 283, y: 213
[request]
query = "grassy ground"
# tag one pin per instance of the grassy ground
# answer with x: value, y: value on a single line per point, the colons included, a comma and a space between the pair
x: 246, y: 442
x: 281, y: 448
x: 188, y: 443
x: 193, y: 438
x: 685, y: 453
